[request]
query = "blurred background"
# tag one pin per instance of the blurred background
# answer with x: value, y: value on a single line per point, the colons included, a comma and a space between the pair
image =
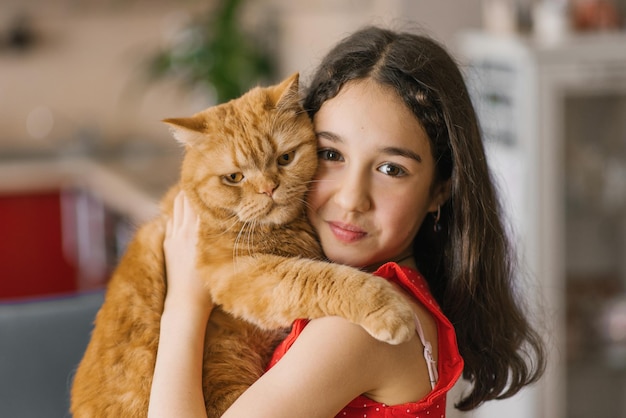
x: 84, y: 159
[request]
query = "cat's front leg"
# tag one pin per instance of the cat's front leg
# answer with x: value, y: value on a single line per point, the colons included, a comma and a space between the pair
x: 272, y: 291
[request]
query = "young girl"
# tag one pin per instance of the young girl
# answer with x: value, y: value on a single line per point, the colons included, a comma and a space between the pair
x: 402, y: 190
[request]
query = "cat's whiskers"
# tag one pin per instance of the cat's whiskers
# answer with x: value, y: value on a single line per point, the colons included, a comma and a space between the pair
x: 243, y: 238
x: 238, y: 239
x: 226, y: 230
x: 305, y: 203
x: 251, y: 234
x: 317, y: 181
x: 243, y: 241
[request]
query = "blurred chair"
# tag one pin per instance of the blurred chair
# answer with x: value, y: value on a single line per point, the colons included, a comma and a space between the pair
x: 41, y: 344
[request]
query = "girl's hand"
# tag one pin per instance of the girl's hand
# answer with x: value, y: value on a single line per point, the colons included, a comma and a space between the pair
x: 184, y: 284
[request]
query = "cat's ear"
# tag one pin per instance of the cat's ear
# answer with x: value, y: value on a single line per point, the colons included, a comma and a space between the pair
x: 287, y: 93
x: 186, y: 130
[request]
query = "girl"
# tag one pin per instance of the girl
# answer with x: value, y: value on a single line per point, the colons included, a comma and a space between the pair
x: 403, y: 190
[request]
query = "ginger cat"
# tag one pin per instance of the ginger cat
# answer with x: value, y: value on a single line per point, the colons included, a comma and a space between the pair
x: 246, y: 170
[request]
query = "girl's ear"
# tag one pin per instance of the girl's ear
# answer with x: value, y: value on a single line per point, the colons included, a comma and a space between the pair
x: 441, y: 194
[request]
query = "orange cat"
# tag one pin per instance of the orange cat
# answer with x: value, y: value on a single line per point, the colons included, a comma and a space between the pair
x: 246, y: 170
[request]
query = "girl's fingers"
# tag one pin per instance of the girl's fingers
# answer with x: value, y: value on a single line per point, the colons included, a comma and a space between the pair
x: 169, y: 226
x: 184, y: 223
x: 175, y: 221
x: 179, y: 206
x: 189, y: 213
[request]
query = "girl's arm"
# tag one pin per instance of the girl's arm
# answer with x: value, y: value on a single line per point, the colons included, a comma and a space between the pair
x: 315, y: 378
x: 177, y: 381
x: 332, y: 362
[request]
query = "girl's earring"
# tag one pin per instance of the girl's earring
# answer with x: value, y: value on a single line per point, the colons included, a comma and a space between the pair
x: 436, y: 224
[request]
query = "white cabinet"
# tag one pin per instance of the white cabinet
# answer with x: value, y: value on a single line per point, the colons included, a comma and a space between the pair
x: 554, y: 119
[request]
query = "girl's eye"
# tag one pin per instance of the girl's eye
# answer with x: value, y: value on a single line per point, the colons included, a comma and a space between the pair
x: 286, y: 158
x: 234, y: 178
x: 392, y: 170
x: 329, y: 155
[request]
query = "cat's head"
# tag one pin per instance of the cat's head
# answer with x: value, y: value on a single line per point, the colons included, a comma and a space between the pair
x: 250, y: 159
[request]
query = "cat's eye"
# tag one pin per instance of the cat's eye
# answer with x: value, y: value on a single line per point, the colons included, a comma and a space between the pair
x: 286, y: 158
x: 392, y: 170
x: 329, y: 154
x: 233, y: 177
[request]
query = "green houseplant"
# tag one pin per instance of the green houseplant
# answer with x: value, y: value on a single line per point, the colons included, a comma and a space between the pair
x: 218, y: 53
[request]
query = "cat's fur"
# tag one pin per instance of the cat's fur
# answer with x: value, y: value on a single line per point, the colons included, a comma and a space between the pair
x: 260, y: 257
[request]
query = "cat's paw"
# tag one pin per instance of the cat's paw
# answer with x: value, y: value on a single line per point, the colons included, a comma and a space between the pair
x: 392, y: 321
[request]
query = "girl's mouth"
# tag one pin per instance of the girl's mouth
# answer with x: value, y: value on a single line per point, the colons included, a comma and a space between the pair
x: 346, y: 233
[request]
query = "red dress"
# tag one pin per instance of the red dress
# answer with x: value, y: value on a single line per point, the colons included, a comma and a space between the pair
x: 449, y: 365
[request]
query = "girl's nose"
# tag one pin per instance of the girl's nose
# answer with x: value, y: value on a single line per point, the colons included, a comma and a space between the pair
x: 353, y: 192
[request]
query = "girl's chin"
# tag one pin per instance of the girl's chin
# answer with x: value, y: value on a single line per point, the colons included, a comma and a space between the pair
x: 357, y: 261
x: 359, y: 255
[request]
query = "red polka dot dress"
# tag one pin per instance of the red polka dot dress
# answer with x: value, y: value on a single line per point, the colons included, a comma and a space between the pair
x: 448, y: 368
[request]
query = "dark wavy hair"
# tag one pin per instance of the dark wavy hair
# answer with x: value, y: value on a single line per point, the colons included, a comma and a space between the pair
x: 470, y: 263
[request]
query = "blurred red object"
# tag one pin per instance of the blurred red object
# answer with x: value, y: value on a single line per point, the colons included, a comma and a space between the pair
x: 58, y: 241
x: 31, y: 250
x: 595, y: 15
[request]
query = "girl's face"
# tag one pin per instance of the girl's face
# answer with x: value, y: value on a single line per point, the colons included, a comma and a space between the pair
x: 374, y: 183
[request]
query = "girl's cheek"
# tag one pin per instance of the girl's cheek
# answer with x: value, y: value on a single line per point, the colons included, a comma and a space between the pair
x: 313, y: 199
x: 320, y: 183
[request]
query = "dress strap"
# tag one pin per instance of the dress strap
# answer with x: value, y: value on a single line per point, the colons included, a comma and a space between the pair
x: 428, y: 353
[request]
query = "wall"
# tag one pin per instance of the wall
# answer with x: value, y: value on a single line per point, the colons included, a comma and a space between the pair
x: 310, y: 28
x: 83, y: 77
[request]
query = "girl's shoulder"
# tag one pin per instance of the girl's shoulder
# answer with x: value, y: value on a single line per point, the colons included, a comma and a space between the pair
x: 449, y: 361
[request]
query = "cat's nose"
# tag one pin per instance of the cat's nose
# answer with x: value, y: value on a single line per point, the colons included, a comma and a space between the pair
x: 268, y: 189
